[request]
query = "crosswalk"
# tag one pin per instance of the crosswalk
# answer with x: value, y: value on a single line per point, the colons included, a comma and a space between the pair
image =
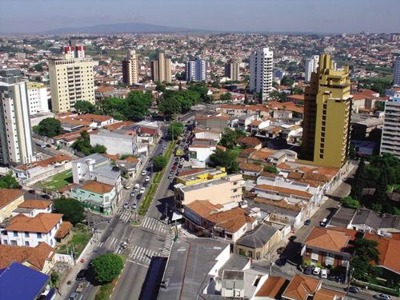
x: 142, y: 254
x: 127, y: 215
x: 154, y: 224
x: 169, y: 239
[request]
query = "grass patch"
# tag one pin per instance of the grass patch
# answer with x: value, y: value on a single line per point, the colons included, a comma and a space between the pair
x: 56, y: 182
x: 80, y: 237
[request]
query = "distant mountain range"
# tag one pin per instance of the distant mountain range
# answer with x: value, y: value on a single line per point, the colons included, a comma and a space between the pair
x: 122, y: 28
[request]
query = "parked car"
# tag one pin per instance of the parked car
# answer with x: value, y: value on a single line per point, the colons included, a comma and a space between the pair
x: 45, y: 196
x: 352, y: 289
x: 81, y: 275
x: 316, y: 271
x: 147, y: 178
x: 126, y: 205
x: 134, y: 205
x: 382, y: 297
x: 324, y: 273
x: 308, y: 270
x: 133, y: 193
x: 32, y: 192
x: 324, y: 222
x: 307, y: 222
x: 281, y: 262
x: 142, y: 190
x: 144, y: 172
x: 164, y: 147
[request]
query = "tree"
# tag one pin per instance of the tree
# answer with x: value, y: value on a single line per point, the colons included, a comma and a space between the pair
x: 8, y: 182
x: 286, y: 80
x: 82, y: 144
x: 71, y: 209
x: 169, y: 107
x: 365, y: 252
x: 160, y: 162
x: 175, y: 130
x: 271, y: 169
x: 138, y: 105
x: 84, y: 107
x: 226, y: 159
x: 358, y: 183
x: 380, y: 201
x: 226, y: 96
x: 229, y: 137
x: 350, y: 202
x: 107, y: 267
x: 49, y: 127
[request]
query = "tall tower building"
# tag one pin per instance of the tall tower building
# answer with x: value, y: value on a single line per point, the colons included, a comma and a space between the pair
x: 130, y: 68
x: 71, y: 79
x: 196, y: 70
x: 261, y: 64
x: 311, y: 65
x: 327, y: 113
x: 161, y: 68
x: 396, y: 71
x: 16, y: 145
x: 37, y: 97
x: 390, y: 141
x: 232, y: 70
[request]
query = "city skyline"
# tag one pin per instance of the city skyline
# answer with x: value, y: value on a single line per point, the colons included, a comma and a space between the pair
x: 270, y: 16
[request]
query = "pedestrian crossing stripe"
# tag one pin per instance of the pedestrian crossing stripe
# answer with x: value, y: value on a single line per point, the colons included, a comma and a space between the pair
x: 153, y: 224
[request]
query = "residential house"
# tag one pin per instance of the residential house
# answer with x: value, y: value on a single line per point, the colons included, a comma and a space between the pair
x: 25, y: 231
x: 116, y: 143
x: 36, y: 285
x: 250, y: 142
x: 208, y: 134
x: 9, y: 201
x: 365, y: 220
x: 301, y: 287
x: 239, y: 110
x: 328, y: 246
x: 271, y: 289
x: 258, y: 242
x: 200, y: 151
x: 40, y: 258
x: 96, y: 195
x: 249, y: 169
x: 32, y: 208
x: 215, y: 122
x: 218, y: 191
x: 243, y: 122
x: 257, y: 125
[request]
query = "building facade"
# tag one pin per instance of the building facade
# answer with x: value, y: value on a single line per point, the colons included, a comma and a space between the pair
x: 161, y: 68
x: 130, y: 68
x: 327, y: 114
x: 390, y: 141
x: 37, y: 98
x: 261, y: 71
x: 16, y: 146
x: 311, y: 65
x: 232, y: 70
x: 71, y: 79
x: 396, y: 71
x: 196, y: 70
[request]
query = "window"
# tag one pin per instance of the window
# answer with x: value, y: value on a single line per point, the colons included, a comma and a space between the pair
x: 27, y: 234
x: 15, y: 233
x: 27, y: 244
x: 39, y: 235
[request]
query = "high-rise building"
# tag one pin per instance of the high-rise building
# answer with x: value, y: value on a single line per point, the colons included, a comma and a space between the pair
x: 196, y: 70
x: 327, y: 113
x: 261, y: 64
x: 161, y: 68
x: 311, y: 65
x: 396, y: 71
x: 37, y: 97
x: 15, y: 129
x: 71, y: 79
x: 130, y: 68
x: 232, y: 70
x: 390, y: 141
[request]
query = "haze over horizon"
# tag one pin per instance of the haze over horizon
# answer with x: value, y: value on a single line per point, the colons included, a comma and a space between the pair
x: 26, y: 16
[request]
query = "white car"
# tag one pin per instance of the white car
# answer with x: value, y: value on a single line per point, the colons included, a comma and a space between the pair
x: 126, y: 205
x: 144, y: 172
x: 316, y: 271
x: 147, y: 178
x: 142, y: 190
x: 324, y: 273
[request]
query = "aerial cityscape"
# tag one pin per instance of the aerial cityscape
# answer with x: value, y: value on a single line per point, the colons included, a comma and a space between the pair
x: 211, y: 150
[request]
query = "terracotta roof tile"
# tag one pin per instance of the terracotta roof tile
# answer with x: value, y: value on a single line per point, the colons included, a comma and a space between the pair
x: 203, y: 207
x: 39, y: 204
x: 64, y: 229
x: 7, y: 196
x: 231, y: 220
x: 301, y: 287
x: 282, y: 190
x: 325, y: 294
x: 389, y: 249
x: 249, y: 141
x: 42, y: 223
x: 97, y: 187
x: 330, y: 239
x: 250, y: 167
x: 272, y: 287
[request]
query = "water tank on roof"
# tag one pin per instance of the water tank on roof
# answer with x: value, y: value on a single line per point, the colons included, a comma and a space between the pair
x: 90, y: 163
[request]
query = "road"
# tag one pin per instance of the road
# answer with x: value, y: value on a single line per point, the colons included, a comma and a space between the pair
x: 151, y: 238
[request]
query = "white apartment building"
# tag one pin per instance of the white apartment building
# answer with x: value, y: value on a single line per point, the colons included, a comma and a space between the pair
x: 71, y: 79
x: 311, y: 65
x: 396, y: 71
x: 390, y: 141
x: 24, y: 231
x: 196, y: 70
x: 16, y: 146
x: 130, y: 68
x: 37, y: 98
x: 261, y: 64
x: 232, y: 70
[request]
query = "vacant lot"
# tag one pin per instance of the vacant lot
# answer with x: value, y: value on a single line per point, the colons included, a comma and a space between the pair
x: 57, y: 181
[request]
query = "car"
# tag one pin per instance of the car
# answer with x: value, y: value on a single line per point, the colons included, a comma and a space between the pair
x: 133, y: 193
x: 308, y: 270
x: 281, y: 262
x: 144, y: 172
x: 292, y: 238
x: 382, y: 297
x: 324, y: 273
x: 307, y: 222
x: 126, y: 205
x: 145, y: 183
x: 280, y: 250
x: 352, y: 289
x: 170, y: 176
x: 316, y: 271
x: 32, y: 192
x: 147, y: 178
x: 323, y: 223
x: 134, y: 205
x: 45, y: 196
x: 174, y: 167
x: 81, y: 275
x: 142, y: 190
x: 74, y: 296
x: 164, y: 147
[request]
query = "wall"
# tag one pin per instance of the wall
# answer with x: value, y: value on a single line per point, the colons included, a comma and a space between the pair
x: 6, y: 211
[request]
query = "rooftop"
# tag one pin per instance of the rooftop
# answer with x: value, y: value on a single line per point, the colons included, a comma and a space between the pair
x: 301, y: 287
x: 7, y: 196
x: 258, y: 237
x: 41, y: 223
x: 330, y: 239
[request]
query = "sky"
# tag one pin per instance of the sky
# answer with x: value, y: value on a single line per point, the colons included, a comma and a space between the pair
x: 324, y: 16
